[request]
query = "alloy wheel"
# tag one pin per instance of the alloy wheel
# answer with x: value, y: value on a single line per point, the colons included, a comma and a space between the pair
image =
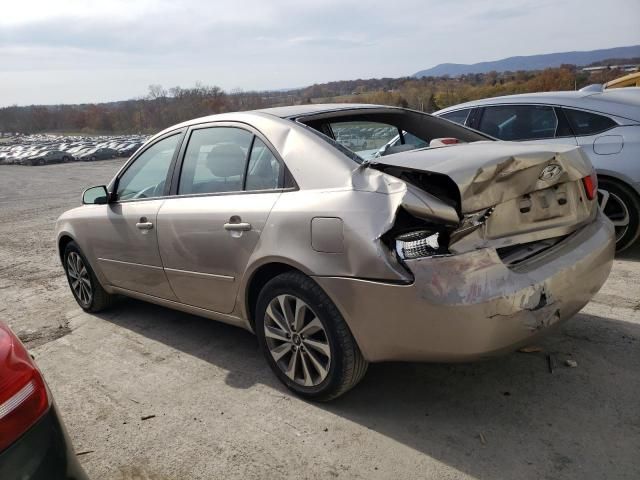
x: 616, y: 210
x: 79, y: 279
x: 297, y: 340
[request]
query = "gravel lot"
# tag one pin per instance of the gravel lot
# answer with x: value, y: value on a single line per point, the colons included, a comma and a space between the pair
x: 219, y: 412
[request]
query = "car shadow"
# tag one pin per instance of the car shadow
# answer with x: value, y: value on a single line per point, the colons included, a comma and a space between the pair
x: 632, y: 253
x: 524, y: 415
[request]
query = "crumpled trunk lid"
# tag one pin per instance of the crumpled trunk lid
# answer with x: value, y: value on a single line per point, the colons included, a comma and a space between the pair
x: 534, y: 192
x: 489, y: 173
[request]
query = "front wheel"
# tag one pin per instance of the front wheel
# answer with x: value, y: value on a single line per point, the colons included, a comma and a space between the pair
x: 622, y: 206
x: 305, y: 340
x: 84, y: 284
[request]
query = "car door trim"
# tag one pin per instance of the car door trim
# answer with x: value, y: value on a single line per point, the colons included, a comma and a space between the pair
x: 226, y: 278
x: 154, y: 267
x: 185, y: 307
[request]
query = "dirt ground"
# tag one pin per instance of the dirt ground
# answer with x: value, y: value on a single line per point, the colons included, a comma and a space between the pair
x: 218, y: 412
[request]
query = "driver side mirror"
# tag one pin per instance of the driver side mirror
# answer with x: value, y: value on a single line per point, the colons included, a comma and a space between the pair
x: 95, y: 196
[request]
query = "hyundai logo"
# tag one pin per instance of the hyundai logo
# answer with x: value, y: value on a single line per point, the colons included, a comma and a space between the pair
x: 550, y: 172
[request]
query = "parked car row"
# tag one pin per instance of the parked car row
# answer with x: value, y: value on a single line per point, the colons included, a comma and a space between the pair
x: 48, y: 149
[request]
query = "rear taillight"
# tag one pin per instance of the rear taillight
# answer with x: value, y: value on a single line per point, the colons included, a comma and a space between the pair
x: 23, y: 394
x: 590, y: 185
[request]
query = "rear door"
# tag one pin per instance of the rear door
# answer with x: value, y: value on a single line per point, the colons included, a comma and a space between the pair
x: 228, y: 183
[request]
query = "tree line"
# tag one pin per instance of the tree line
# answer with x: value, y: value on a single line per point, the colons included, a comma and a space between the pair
x: 162, y: 107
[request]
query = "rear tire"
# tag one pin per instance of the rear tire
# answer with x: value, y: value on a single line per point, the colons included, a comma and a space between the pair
x: 327, y: 359
x: 623, y: 209
x: 83, y: 282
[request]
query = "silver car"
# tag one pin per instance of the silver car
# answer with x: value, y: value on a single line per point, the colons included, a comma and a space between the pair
x: 264, y: 221
x: 606, y: 124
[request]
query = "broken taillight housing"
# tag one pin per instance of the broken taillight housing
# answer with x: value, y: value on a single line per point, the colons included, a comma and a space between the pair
x: 23, y: 393
x: 418, y: 243
x: 590, y: 183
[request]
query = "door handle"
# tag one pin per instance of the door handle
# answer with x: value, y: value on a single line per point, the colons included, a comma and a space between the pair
x: 237, y: 227
x: 144, y: 225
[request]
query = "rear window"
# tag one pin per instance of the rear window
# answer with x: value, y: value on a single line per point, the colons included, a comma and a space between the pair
x: 587, y: 123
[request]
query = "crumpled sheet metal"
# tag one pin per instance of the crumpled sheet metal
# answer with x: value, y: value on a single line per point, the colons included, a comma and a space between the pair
x: 489, y: 173
x: 467, y: 306
x: 364, y: 255
x: 480, y: 276
x: 417, y: 202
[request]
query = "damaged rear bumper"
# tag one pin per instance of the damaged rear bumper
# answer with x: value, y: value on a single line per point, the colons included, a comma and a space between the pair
x: 467, y: 306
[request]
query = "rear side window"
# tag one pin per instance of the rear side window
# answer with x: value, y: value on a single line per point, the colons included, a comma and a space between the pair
x: 519, y: 122
x: 587, y: 123
x: 459, y: 116
x: 215, y: 160
x: 264, y: 170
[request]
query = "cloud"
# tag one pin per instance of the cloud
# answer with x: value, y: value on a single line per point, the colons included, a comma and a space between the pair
x: 72, y: 50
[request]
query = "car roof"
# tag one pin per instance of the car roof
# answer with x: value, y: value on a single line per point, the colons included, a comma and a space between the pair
x: 310, y: 109
x: 623, y: 102
x: 283, y: 113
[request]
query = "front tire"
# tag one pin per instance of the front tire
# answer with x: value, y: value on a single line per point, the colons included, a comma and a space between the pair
x: 622, y: 206
x: 305, y: 340
x: 83, y: 282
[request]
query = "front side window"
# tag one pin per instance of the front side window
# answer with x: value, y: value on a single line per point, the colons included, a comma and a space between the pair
x: 215, y: 160
x: 146, y: 176
x: 519, y: 122
x: 587, y: 123
x: 459, y: 116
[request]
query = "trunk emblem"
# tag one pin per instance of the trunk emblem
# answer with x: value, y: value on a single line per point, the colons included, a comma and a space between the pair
x: 550, y: 172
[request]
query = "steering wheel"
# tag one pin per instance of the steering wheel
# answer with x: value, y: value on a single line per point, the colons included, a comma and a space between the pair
x: 151, y: 191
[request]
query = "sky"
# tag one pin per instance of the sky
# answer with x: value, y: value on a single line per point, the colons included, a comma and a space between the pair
x: 80, y: 51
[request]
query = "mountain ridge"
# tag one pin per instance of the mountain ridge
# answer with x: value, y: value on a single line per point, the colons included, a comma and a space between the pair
x: 531, y: 62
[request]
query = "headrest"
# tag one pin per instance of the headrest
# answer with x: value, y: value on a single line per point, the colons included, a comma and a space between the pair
x: 226, y: 160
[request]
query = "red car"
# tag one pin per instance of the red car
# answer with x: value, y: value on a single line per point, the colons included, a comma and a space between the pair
x: 33, y: 441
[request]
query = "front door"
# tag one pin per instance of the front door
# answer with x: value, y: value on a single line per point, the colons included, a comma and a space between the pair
x: 229, y: 183
x: 124, y: 232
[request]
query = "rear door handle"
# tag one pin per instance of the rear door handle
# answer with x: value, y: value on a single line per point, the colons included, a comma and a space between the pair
x: 144, y: 225
x: 237, y: 227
